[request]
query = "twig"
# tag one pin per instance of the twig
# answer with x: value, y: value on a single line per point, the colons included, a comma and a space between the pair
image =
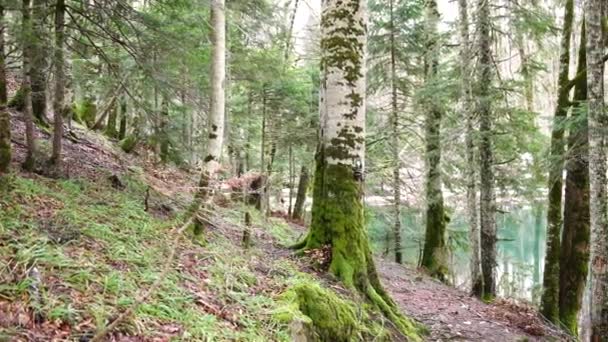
x: 103, y: 332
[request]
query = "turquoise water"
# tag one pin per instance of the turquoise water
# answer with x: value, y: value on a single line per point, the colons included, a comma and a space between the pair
x: 520, y: 249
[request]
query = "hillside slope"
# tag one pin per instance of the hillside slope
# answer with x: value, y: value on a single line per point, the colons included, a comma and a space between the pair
x: 76, y: 252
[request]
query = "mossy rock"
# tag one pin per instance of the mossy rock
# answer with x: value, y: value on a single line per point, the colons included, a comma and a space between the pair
x: 18, y: 100
x: 128, y: 144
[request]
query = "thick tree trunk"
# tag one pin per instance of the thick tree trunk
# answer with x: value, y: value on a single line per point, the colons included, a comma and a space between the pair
x: 5, y: 124
x: 58, y: 62
x: 337, y: 214
x: 598, y: 126
x: 30, y: 158
x: 435, y: 254
x: 550, y: 296
x: 211, y: 162
x: 298, y: 209
x: 466, y: 102
x: 395, y: 145
x: 574, y: 257
x: 39, y: 62
x: 487, y: 207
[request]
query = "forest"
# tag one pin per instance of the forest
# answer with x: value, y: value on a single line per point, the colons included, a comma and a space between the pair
x: 303, y: 170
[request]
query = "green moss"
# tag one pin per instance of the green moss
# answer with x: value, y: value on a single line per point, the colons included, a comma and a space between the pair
x: 85, y: 112
x: 128, y: 144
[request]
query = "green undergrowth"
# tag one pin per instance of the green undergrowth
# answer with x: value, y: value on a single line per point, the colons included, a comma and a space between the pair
x: 97, y: 250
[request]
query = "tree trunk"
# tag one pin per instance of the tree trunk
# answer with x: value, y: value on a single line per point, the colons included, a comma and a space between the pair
x: 58, y: 101
x: 5, y: 123
x: 124, y: 116
x: 550, y: 296
x: 30, y: 158
x: 469, y: 114
x: 538, y: 212
x: 38, y: 74
x: 298, y: 209
x: 211, y: 162
x: 111, y: 130
x: 395, y: 144
x: 598, y: 126
x: 574, y: 256
x: 164, y: 134
x: 337, y: 213
x: 435, y: 254
x: 487, y: 207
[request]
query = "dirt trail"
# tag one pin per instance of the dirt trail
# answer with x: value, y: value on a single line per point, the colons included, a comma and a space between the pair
x: 453, y: 315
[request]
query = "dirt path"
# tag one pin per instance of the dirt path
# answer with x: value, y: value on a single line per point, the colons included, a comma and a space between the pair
x: 452, y: 315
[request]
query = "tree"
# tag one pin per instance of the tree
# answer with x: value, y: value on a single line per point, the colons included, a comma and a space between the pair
x: 468, y: 112
x: 337, y: 213
x: 434, y: 256
x: 26, y: 31
x: 298, y: 209
x: 59, y: 64
x: 550, y: 296
x: 211, y: 162
x: 487, y: 208
x: 5, y: 124
x: 38, y: 61
x: 598, y: 126
x: 574, y: 256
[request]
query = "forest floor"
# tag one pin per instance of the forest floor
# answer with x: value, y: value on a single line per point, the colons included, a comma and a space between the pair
x: 77, y: 251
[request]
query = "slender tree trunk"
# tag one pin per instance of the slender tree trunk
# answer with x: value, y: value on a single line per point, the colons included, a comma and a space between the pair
x: 538, y: 212
x: 395, y: 144
x: 298, y: 209
x: 30, y: 137
x: 550, y: 296
x: 468, y: 112
x: 38, y: 74
x: 598, y: 126
x: 487, y: 207
x: 58, y: 62
x: 337, y: 214
x: 291, y: 180
x: 435, y: 254
x: 211, y: 162
x: 574, y: 256
x: 124, y: 116
x: 5, y: 123
x: 111, y: 130
x: 164, y: 134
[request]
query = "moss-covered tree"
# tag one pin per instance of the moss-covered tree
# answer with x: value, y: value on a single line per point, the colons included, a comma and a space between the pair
x: 30, y: 137
x: 550, y: 296
x: 337, y: 213
x: 598, y: 126
x: 39, y: 61
x: 434, y: 256
x: 574, y: 256
x: 5, y: 124
x: 59, y: 64
x: 487, y: 207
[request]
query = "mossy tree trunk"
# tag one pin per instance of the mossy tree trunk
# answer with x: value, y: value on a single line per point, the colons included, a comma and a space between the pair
x: 30, y: 137
x: 211, y: 162
x: 58, y: 103
x: 598, y: 126
x: 487, y: 207
x: 466, y: 102
x: 574, y: 256
x: 550, y: 296
x: 337, y: 213
x: 5, y: 124
x: 435, y: 255
x: 39, y: 61
x: 396, y: 146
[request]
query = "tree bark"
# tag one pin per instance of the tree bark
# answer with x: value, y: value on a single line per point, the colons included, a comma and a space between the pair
x: 39, y: 62
x: 395, y: 143
x: 466, y: 102
x: 550, y: 296
x: 298, y: 209
x: 211, y: 162
x: 58, y: 102
x: 26, y: 22
x: 598, y: 126
x: 124, y: 116
x: 574, y: 256
x: 337, y: 213
x: 5, y: 118
x: 435, y: 254
x: 487, y: 207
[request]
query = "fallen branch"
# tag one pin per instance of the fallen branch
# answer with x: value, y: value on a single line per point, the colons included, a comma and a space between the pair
x: 178, y: 234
